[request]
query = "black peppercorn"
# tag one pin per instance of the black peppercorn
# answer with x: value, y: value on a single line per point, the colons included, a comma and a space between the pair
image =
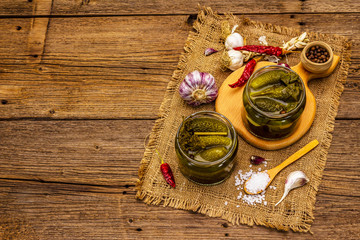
x: 317, y: 54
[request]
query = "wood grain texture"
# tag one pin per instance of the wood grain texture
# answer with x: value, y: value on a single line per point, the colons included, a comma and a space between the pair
x: 184, y: 7
x: 38, y: 30
x: 131, y: 7
x: 83, y: 152
x: 118, y: 67
x: 102, y: 158
x: 108, y: 152
x: 60, y: 211
x: 109, y: 59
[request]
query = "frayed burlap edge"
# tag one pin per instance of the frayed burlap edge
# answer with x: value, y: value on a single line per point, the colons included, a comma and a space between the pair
x: 236, y: 218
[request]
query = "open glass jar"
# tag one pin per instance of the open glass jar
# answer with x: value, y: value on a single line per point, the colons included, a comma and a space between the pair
x: 274, y: 99
x: 206, y: 144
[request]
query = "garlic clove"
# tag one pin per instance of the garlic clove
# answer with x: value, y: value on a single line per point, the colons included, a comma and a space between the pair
x: 209, y: 51
x: 286, y: 192
x: 294, y: 180
x: 302, y: 36
x: 296, y: 42
x: 262, y: 40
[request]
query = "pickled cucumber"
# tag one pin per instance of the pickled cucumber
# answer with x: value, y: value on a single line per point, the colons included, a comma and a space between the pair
x: 209, y: 141
x: 211, y: 155
x: 273, y: 77
x: 205, y: 125
x: 269, y: 105
x: 190, y: 142
x: 289, y: 78
x: 267, y: 78
x: 275, y: 91
x: 280, y: 92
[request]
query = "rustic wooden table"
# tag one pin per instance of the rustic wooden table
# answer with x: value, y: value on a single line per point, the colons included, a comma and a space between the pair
x: 80, y: 87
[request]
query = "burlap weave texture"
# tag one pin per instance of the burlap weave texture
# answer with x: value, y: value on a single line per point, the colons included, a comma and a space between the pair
x: 296, y: 211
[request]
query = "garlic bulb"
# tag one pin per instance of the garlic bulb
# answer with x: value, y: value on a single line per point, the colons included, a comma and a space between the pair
x: 294, y: 180
x: 234, y: 40
x: 198, y: 87
x: 232, y: 59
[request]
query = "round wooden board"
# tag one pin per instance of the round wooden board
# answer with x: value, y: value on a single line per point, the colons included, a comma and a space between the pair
x: 229, y: 103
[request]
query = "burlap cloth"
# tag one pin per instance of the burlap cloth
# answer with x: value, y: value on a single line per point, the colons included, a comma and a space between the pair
x: 296, y: 211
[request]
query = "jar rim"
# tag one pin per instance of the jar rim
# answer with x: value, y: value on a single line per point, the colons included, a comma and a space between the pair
x: 220, y: 160
x: 266, y: 114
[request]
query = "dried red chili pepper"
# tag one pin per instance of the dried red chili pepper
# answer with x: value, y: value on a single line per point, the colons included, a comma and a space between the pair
x: 269, y: 50
x: 166, y: 172
x: 249, y: 69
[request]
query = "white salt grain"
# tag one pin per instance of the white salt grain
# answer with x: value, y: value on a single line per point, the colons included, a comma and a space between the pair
x: 226, y: 203
x: 257, y: 182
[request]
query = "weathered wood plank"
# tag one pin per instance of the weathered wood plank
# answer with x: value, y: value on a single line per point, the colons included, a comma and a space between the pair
x: 16, y: 7
x: 107, y: 152
x: 103, y: 70
x: 131, y: 7
x: 185, y: 7
x: 84, y: 152
x: 57, y: 211
x: 38, y: 29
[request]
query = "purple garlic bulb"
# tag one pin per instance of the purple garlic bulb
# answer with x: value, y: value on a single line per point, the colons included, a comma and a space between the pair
x: 198, y: 88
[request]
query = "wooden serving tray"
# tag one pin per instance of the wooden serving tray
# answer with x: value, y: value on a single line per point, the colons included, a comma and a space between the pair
x: 229, y: 103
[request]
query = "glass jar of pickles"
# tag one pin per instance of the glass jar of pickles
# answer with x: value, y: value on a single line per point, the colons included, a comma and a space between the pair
x: 274, y: 99
x: 206, y: 144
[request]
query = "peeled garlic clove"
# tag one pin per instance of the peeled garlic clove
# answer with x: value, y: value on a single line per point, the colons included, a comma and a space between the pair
x: 302, y: 36
x: 198, y: 88
x: 234, y: 40
x: 262, y: 40
x: 232, y: 59
x: 294, y: 180
x: 296, y: 42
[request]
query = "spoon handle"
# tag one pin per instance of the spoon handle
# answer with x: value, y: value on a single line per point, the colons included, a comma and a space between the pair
x: 307, y: 148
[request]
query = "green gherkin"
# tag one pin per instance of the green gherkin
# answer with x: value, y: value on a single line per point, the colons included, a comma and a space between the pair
x: 206, y: 125
x: 268, y: 105
x: 191, y: 142
x: 271, y: 77
x: 280, y: 92
x: 209, y: 141
x: 212, y: 154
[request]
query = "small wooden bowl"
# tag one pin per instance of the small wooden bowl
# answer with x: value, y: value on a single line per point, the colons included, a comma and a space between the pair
x: 316, y: 67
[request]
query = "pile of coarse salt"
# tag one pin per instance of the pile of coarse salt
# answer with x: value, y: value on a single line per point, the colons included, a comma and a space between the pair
x: 257, y: 182
x: 240, y: 180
